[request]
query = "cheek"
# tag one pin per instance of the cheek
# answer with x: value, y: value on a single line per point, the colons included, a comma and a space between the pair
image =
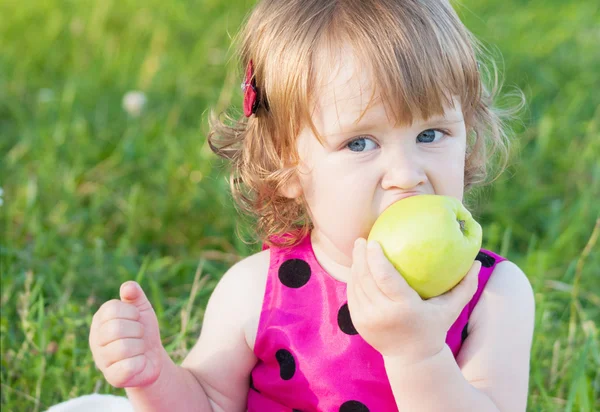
x: 448, y: 175
x: 457, y: 184
x: 346, y: 202
x: 330, y: 187
x: 339, y: 200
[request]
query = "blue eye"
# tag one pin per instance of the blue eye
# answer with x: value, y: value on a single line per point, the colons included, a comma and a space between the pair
x: 429, y: 136
x: 362, y: 144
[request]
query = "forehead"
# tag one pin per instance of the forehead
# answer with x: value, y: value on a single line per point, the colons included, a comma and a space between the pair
x: 345, y: 94
x: 342, y: 86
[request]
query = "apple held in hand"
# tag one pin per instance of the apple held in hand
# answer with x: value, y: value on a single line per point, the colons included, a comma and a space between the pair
x: 431, y: 240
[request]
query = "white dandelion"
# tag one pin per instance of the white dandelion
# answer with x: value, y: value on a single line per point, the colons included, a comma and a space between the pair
x: 134, y: 102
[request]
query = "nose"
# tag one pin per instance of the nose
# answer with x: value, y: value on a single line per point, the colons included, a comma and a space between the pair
x: 403, y: 170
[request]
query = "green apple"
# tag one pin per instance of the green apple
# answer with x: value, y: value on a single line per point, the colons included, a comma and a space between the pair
x: 431, y: 240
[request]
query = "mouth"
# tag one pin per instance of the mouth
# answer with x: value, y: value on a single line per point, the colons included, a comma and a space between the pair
x: 400, y: 197
x: 407, y: 194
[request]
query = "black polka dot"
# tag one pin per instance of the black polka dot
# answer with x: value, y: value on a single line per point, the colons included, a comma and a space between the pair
x: 465, y: 333
x: 345, y: 322
x: 294, y: 273
x: 287, y: 364
x: 353, y: 406
x: 486, y: 260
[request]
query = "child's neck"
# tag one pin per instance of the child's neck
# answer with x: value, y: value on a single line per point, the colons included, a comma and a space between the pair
x: 335, y: 263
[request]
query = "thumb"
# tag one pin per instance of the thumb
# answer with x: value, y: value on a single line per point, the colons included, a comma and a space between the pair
x: 387, y: 278
x: 132, y: 293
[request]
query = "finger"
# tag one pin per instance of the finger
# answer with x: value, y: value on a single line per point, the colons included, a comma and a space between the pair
x: 115, y: 309
x: 121, y: 373
x: 132, y: 293
x: 385, y: 276
x: 360, y: 272
x: 459, y: 296
x: 122, y: 349
x: 116, y: 329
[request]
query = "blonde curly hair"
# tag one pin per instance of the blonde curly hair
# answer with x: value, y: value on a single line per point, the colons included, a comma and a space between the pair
x: 419, y: 54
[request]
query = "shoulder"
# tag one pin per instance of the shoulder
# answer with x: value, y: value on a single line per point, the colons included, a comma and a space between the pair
x: 508, y: 291
x: 511, y: 283
x: 240, y: 292
x: 248, y: 272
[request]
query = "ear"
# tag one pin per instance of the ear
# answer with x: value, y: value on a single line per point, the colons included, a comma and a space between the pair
x: 292, y: 189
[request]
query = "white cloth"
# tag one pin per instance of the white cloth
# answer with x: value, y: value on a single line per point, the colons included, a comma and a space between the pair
x: 94, y: 403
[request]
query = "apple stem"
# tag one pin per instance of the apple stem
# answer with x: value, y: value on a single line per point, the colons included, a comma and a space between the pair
x: 462, y: 225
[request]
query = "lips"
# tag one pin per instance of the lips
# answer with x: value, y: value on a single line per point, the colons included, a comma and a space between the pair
x: 407, y: 194
x: 402, y: 196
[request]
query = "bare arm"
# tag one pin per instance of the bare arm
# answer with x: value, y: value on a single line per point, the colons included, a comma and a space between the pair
x: 126, y: 345
x: 223, y: 357
x: 176, y: 389
x: 494, y: 360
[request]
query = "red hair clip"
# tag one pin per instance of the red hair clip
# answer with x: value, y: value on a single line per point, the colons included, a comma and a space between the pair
x: 251, y: 95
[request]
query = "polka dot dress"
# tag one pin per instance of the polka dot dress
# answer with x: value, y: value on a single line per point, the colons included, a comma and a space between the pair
x: 310, y: 356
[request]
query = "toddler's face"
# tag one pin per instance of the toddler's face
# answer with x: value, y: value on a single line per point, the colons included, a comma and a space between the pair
x: 365, y: 166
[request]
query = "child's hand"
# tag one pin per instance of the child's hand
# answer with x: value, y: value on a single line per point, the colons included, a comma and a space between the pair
x: 125, y: 339
x: 391, y: 316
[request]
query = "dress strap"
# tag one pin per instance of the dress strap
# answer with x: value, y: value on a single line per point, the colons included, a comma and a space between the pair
x: 488, y: 260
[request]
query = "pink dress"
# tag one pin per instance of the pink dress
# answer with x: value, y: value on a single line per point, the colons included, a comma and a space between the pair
x: 310, y: 357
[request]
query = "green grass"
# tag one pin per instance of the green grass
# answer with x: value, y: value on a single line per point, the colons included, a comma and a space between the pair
x: 92, y: 197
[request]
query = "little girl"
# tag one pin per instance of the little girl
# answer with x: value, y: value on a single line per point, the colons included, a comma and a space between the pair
x: 350, y: 106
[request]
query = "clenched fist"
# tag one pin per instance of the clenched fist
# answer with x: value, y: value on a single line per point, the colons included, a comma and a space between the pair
x: 125, y: 339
